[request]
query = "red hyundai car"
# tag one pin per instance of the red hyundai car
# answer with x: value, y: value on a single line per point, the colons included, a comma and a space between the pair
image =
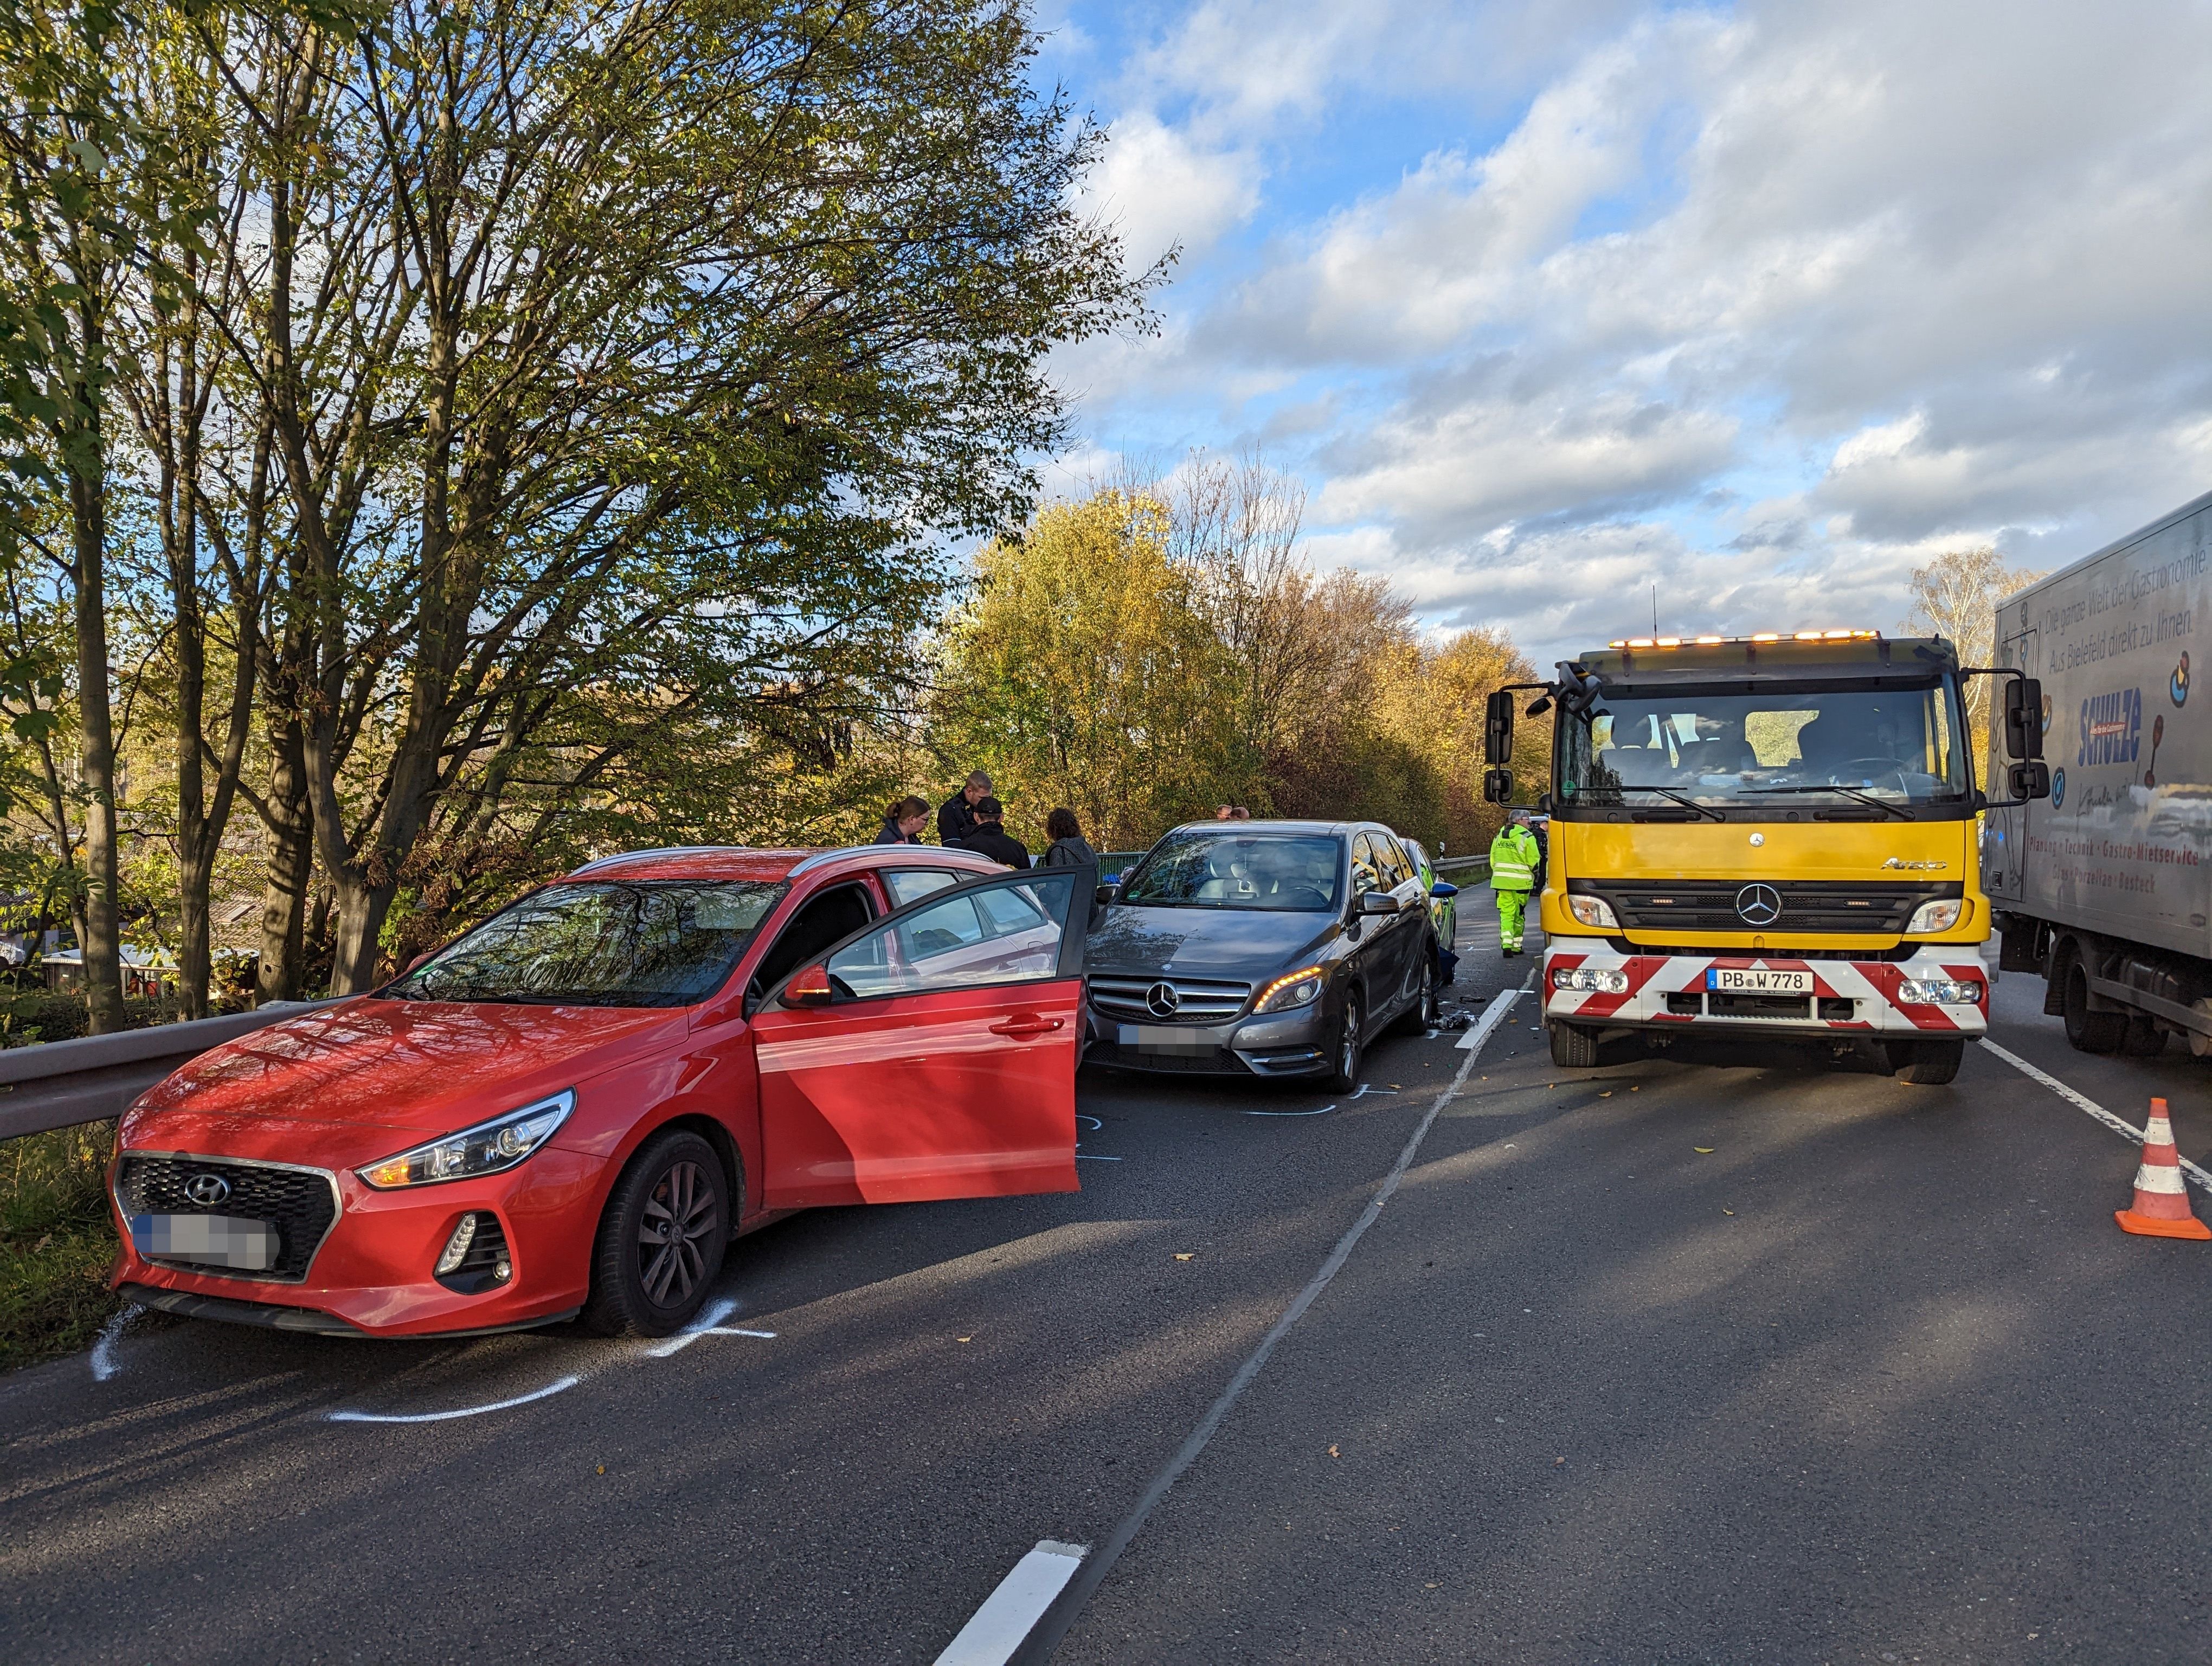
x: 569, y: 1111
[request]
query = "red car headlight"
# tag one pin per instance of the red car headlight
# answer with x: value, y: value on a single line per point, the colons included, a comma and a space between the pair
x: 486, y: 1148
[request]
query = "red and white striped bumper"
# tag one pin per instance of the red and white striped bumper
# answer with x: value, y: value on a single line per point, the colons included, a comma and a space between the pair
x: 1872, y: 987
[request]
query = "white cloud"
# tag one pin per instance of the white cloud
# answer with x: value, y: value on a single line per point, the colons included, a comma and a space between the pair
x: 1159, y: 188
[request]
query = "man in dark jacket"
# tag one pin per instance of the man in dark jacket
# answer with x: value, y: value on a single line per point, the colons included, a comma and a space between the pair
x: 989, y: 839
x: 956, y: 816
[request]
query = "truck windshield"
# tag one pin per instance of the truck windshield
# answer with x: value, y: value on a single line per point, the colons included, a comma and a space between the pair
x: 1878, y: 749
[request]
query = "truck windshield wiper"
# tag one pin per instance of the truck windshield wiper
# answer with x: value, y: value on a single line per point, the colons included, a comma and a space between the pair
x: 1669, y: 792
x: 1848, y: 792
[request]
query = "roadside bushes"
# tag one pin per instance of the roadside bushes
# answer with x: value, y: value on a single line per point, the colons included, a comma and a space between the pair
x: 56, y: 1244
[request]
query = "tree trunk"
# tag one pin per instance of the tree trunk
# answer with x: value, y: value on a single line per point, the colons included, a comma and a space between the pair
x: 102, y: 941
x: 291, y: 870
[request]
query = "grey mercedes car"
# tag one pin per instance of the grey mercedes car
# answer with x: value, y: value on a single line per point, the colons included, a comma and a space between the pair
x: 1261, y: 948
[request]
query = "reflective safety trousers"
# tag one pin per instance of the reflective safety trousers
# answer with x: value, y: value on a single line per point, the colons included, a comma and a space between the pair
x: 1512, y: 910
x: 1513, y: 858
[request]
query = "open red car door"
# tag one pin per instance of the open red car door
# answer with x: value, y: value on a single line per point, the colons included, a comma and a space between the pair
x: 933, y: 1055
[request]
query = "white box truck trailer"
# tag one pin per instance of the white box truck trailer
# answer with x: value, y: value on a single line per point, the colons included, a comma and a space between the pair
x: 2105, y: 887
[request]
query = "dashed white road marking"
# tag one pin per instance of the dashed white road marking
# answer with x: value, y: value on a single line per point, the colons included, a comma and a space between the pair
x: 547, y: 1392
x: 1009, y: 1612
x: 1492, y: 1016
x: 2082, y: 1101
x: 1050, y: 1619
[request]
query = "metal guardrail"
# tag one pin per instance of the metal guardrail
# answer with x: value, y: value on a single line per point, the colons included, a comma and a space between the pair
x: 1472, y: 867
x: 60, y: 1084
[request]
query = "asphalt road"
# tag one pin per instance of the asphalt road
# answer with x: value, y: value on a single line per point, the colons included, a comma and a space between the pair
x: 1875, y: 1377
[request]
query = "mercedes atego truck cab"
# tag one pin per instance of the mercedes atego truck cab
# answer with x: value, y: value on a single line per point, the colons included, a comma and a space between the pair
x: 1768, y: 835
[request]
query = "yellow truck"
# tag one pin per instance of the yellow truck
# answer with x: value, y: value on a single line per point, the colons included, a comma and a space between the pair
x: 1771, y: 834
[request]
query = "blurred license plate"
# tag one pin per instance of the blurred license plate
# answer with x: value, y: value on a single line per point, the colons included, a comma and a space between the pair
x: 214, y: 1240
x: 1758, y: 980
x: 1168, y: 1038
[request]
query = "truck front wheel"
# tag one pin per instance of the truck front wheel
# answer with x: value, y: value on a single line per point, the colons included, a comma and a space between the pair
x: 2090, y: 1032
x: 1573, y: 1048
x: 1926, y: 1064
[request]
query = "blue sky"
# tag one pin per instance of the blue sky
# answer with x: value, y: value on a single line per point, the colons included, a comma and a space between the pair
x: 1762, y: 305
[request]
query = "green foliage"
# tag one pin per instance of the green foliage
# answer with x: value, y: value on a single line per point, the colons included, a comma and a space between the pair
x: 56, y: 1242
x: 1083, y: 672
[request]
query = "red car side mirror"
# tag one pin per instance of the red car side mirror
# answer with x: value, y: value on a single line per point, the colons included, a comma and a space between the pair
x: 810, y: 988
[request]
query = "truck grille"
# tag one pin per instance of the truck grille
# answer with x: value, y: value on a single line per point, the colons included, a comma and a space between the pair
x: 1197, y: 999
x: 1806, y: 905
x: 302, y: 1204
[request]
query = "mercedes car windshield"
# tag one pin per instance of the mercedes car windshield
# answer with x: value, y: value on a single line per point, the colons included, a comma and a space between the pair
x: 1282, y: 872
x: 1852, y: 749
x: 601, y: 943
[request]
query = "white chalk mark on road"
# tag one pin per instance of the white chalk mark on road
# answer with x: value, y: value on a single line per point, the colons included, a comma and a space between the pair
x: 1323, y: 1111
x: 2081, y: 1101
x: 1086, y: 1157
x: 545, y: 1393
x: 1367, y: 1088
x: 1492, y: 1016
x: 105, y: 1365
x: 1093, y: 1120
x: 703, y: 1324
x: 1009, y: 1612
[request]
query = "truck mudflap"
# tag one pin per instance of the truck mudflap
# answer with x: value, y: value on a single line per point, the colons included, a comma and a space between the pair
x: 1672, y: 991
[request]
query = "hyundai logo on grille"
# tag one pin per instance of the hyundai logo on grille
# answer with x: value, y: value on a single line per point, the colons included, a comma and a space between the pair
x: 1759, y: 905
x: 1162, y: 999
x: 207, y: 1191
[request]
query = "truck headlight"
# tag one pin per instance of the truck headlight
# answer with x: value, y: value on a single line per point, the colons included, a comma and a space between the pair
x: 1593, y: 911
x: 1293, y: 989
x: 1597, y: 980
x: 1936, y: 917
x: 488, y: 1148
x: 1939, y: 991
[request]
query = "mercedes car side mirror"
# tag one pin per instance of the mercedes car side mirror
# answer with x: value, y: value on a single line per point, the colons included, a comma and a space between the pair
x: 810, y: 988
x: 1376, y: 902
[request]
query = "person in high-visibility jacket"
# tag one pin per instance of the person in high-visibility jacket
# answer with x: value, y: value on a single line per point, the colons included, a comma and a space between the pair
x: 1513, y: 858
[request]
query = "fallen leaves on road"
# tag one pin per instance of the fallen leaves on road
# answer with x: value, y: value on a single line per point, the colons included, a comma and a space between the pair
x: 1704, y: 1150
x: 1179, y: 1255
x: 1728, y: 1212
x: 963, y: 1339
x: 1607, y: 1094
x: 1333, y: 1452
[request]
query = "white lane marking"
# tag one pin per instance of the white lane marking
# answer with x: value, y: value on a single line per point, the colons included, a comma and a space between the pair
x: 2083, y: 1102
x: 1054, y: 1624
x: 549, y: 1390
x: 105, y: 1365
x: 998, y: 1627
x: 1492, y: 1015
x: 701, y: 1325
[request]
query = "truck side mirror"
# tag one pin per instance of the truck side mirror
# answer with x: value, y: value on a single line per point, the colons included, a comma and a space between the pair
x: 2023, y: 720
x: 1498, y: 786
x: 2031, y: 779
x: 1498, y: 729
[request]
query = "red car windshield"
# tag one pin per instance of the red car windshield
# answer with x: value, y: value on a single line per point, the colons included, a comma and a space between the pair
x: 601, y: 943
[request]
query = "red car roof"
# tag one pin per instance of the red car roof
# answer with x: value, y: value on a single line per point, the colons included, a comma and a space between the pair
x: 739, y: 862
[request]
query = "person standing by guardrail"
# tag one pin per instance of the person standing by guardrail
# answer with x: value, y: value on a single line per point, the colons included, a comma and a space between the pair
x: 956, y: 816
x: 904, y: 822
x: 990, y: 839
x: 1513, y: 859
x: 1068, y: 849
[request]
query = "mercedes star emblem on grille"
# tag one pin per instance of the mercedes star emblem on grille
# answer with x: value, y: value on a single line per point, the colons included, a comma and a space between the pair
x: 1162, y: 999
x: 1759, y: 905
x: 207, y: 1191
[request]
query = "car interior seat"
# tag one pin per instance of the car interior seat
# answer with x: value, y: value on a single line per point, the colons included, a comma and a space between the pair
x: 833, y: 916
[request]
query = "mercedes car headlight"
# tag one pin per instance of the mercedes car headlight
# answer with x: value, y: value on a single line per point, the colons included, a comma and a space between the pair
x: 1593, y: 911
x: 1293, y: 989
x: 1936, y: 917
x: 488, y: 1148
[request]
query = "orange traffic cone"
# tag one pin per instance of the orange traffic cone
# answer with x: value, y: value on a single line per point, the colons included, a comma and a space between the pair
x: 2161, y: 1207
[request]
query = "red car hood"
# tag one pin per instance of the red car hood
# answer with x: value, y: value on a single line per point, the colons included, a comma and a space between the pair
x: 407, y: 1068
